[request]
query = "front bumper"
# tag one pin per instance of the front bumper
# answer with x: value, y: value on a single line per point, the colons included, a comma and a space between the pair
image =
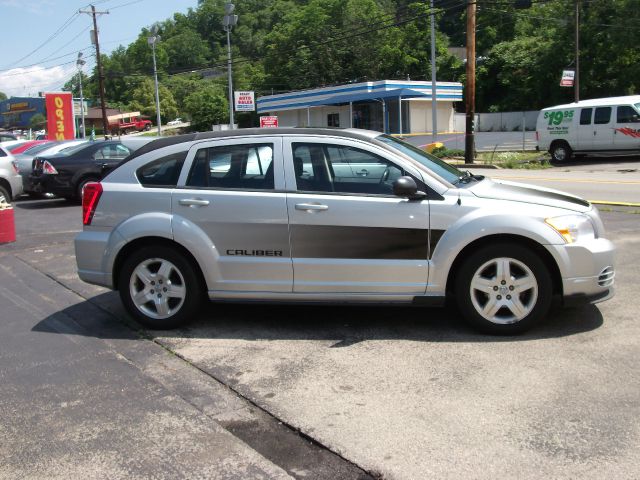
x: 587, y: 270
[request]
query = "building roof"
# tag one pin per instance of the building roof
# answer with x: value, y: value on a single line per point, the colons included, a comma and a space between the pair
x: 358, y: 92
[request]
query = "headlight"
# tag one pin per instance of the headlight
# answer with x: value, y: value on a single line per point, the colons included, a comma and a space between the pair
x: 572, y: 227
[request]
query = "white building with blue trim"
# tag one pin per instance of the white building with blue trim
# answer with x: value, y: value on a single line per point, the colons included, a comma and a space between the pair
x: 392, y: 106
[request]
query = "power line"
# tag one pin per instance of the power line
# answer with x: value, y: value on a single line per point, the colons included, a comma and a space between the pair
x: 65, y: 25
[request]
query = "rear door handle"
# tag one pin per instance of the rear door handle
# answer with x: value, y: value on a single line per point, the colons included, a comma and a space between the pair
x: 193, y: 202
x: 311, y: 207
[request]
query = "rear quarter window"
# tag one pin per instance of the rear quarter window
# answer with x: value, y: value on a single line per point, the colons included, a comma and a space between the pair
x: 162, y: 172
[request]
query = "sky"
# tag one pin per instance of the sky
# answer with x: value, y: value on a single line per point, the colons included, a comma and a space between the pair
x: 40, y: 39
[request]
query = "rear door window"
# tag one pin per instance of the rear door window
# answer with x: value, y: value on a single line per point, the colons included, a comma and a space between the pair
x: 602, y: 115
x: 246, y: 166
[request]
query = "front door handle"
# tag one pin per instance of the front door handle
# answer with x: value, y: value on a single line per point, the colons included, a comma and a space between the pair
x: 363, y: 173
x: 193, y: 202
x: 311, y: 207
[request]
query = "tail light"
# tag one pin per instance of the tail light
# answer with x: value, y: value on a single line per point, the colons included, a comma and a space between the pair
x: 48, y: 168
x: 15, y: 166
x: 91, y: 194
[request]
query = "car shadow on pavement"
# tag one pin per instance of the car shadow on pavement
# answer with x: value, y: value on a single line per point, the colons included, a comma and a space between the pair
x: 104, y: 317
x: 43, y: 203
x: 625, y: 162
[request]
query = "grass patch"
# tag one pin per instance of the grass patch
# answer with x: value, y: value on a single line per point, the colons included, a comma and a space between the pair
x: 511, y: 160
x: 524, y: 160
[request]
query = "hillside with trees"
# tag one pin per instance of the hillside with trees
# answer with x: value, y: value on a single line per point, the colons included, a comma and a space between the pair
x: 283, y: 45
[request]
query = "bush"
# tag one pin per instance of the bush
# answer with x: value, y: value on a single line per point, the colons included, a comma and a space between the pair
x: 444, y: 152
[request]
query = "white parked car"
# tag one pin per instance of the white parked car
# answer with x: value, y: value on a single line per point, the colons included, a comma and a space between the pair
x: 334, y: 216
x: 10, y: 179
x: 177, y: 121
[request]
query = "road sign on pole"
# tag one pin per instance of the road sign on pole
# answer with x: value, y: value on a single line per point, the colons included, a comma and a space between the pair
x: 567, y: 78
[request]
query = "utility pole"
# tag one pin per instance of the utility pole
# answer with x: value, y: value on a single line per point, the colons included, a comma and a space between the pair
x: 152, y: 40
x: 80, y: 63
x: 228, y: 22
x: 469, y: 143
x: 577, y: 78
x: 94, y: 38
x: 434, y: 105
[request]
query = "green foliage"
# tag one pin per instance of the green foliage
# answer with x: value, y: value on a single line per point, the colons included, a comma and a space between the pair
x: 143, y: 99
x: 444, y: 152
x: 3, y: 96
x: 37, y: 121
x: 207, y: 106
x: 280, y: 45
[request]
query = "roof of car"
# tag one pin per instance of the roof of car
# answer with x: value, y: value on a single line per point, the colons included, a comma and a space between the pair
x: 243, y: 132
x: 597, y: 102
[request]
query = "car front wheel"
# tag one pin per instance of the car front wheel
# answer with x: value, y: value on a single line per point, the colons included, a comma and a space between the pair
x: 160, y: 288
x: 503, y: 289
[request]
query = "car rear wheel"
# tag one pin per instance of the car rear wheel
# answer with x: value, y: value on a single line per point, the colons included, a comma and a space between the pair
x: 503, y: 289
x: 160, y: 288
x: 561, y: 152
x: 5, y: 197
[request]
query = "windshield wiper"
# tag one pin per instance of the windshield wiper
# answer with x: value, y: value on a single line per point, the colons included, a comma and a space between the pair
x: 467, y: 176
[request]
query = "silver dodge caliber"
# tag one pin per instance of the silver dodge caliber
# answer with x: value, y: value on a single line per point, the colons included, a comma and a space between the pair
x: 333, y: 216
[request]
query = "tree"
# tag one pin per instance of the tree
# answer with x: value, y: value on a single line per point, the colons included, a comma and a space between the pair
x: 207, y: 106
x: 37, y: 121
x: 143, y: 99
x: 3, y: 96
x: 73, y: 85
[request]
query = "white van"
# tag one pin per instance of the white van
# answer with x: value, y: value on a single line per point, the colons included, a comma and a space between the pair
x: 603, y: 125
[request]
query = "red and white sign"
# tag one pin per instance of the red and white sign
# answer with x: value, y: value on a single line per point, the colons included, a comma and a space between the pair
x: 269, y: 122
x: 244, y: 101
x: 567, y: 78
x: 60, y: 120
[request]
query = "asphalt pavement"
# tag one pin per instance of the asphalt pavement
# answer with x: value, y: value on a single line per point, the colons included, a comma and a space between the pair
x: 307, y: 392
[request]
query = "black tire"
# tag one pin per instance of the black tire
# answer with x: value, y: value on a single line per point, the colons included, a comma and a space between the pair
x: 184, y: 276
x: 560, y: 152
x: 479, y: 267
x: 4, y: 195
x: 81, y: 185
x: 147, y: 127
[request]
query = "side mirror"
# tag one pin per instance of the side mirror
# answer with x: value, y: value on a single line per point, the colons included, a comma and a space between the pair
x: 406, y: 187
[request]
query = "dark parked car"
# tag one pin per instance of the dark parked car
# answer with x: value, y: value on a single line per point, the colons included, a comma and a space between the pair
x: 66, y: 173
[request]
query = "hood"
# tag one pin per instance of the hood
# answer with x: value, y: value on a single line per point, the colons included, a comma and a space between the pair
x: 521, y: 192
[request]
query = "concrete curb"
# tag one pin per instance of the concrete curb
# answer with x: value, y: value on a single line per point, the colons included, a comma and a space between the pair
x: 617, y: 204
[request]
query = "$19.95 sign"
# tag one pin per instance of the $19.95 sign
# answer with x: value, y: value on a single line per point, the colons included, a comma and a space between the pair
x: 60, y: 121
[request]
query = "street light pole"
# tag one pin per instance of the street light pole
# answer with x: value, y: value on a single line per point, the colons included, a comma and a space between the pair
x: 80, y: 63
x: 152, y: 40
x: 228, y: 22
x: 434, y: 84
x: 577, y: 76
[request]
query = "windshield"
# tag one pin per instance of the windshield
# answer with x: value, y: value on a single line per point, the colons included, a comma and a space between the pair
x: 433, y: 163
x: 72, y: 149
